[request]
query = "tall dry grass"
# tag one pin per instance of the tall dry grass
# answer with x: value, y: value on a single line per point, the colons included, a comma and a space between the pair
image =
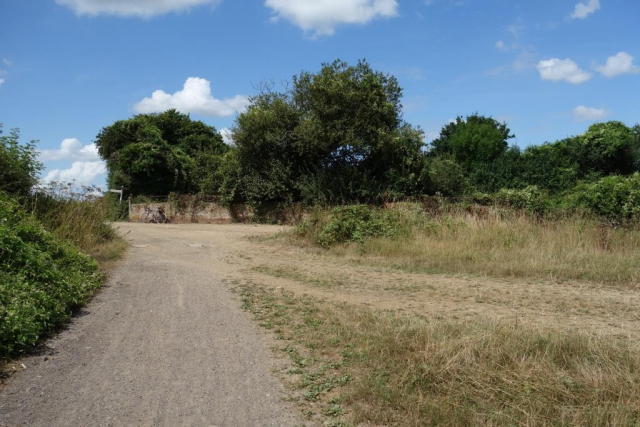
x: 499, y: 243
x: 85, y: 223
x: 362, y: 366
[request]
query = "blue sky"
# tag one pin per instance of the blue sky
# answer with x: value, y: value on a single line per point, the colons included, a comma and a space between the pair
x: 547, y: 67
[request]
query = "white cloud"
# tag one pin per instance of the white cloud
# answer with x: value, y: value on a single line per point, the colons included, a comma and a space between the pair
x: 501, y: 46
x: 6, y: 62
x: 621, y: 63
x: 582, y: 10
x: 1, y: 82
x: 84, y: 173
x: 562, y: 70
x: 227, y: 136
x: 195, y: 97
x: 321, y: 17
x: 143, y: 8
x: 71, y: 149
x: 582, y: 113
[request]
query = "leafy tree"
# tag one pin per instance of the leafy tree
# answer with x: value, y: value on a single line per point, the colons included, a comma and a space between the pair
x: 506, y: 171
x: 19, y: 165
x: 551, y: 166
x: 447, y: 177
x: 472, y: 141
x: 156, y: 154
x: 605, y: 149
x: 334, y: 136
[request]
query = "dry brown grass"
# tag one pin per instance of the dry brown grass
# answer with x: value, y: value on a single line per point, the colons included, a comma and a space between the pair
x: 83, y: 223
x: 355, y: 365
x: 505, y: 245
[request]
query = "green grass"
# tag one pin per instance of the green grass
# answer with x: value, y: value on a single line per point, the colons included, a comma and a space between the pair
x: 351, y: 366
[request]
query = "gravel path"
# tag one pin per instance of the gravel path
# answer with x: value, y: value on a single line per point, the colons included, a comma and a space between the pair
x: 165, y: 343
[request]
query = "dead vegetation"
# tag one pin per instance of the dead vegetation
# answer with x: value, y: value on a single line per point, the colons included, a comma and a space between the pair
x: 353, y: 365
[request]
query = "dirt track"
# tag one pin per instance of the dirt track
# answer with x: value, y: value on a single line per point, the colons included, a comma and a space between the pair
x: 165, y: 343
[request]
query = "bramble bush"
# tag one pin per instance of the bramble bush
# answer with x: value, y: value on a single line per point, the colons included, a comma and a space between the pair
x: 529, y: 199
x: 347, y: 224
x: 616, y: 198
x: 42, y: 280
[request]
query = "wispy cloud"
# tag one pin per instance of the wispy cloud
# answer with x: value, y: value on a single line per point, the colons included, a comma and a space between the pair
x: 582, y: 10
x: 142, y: 8
x: 582, y: 113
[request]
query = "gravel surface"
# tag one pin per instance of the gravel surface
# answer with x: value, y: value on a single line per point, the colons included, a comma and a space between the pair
x: 165, y: 343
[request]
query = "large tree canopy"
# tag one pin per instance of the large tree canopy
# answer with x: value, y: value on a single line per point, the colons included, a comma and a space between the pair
x: 155, y: 154
x: 336, y: 135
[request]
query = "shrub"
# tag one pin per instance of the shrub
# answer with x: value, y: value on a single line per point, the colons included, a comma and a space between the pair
x: 42, y: 279
x: 616, y: 198
x: 447, y: 177
x: 529, y: 199
x: 347, y: 224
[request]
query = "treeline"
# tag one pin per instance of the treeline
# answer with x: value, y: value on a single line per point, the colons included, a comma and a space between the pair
x: 337, y: 136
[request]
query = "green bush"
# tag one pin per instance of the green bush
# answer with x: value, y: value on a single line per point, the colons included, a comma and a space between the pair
x: 42, y: 280
x: 447, y: 177
x: 616, y: 198
x: 530, y: 199
x: 347, y: 224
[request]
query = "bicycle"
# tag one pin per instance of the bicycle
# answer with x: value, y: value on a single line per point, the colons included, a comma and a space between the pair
x: 157, y: 217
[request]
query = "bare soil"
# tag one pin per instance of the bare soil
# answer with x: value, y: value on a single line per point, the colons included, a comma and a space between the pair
x: 167, y: 343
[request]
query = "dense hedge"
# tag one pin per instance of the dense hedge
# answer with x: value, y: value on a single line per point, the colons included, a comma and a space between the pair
x: 42, y: 280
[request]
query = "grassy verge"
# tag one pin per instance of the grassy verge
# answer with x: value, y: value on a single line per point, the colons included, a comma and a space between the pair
x: 84, y: 224
x: 48, y: 266
x: 353, y: 365
x: 486, y: 242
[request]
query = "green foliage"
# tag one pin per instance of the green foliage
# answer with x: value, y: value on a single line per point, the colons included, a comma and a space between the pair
x: 606, y: 149
x: 472, y: 141
x: 19, y: 166
x: 530, y: 199
x: 447, y: 177
x: 616, y: 198
x: 551, y: 166
x: 347, y: 224
x: 42, y: 279
x: 335, y: 136
x: 82, y: 223
x: 156, y: 154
